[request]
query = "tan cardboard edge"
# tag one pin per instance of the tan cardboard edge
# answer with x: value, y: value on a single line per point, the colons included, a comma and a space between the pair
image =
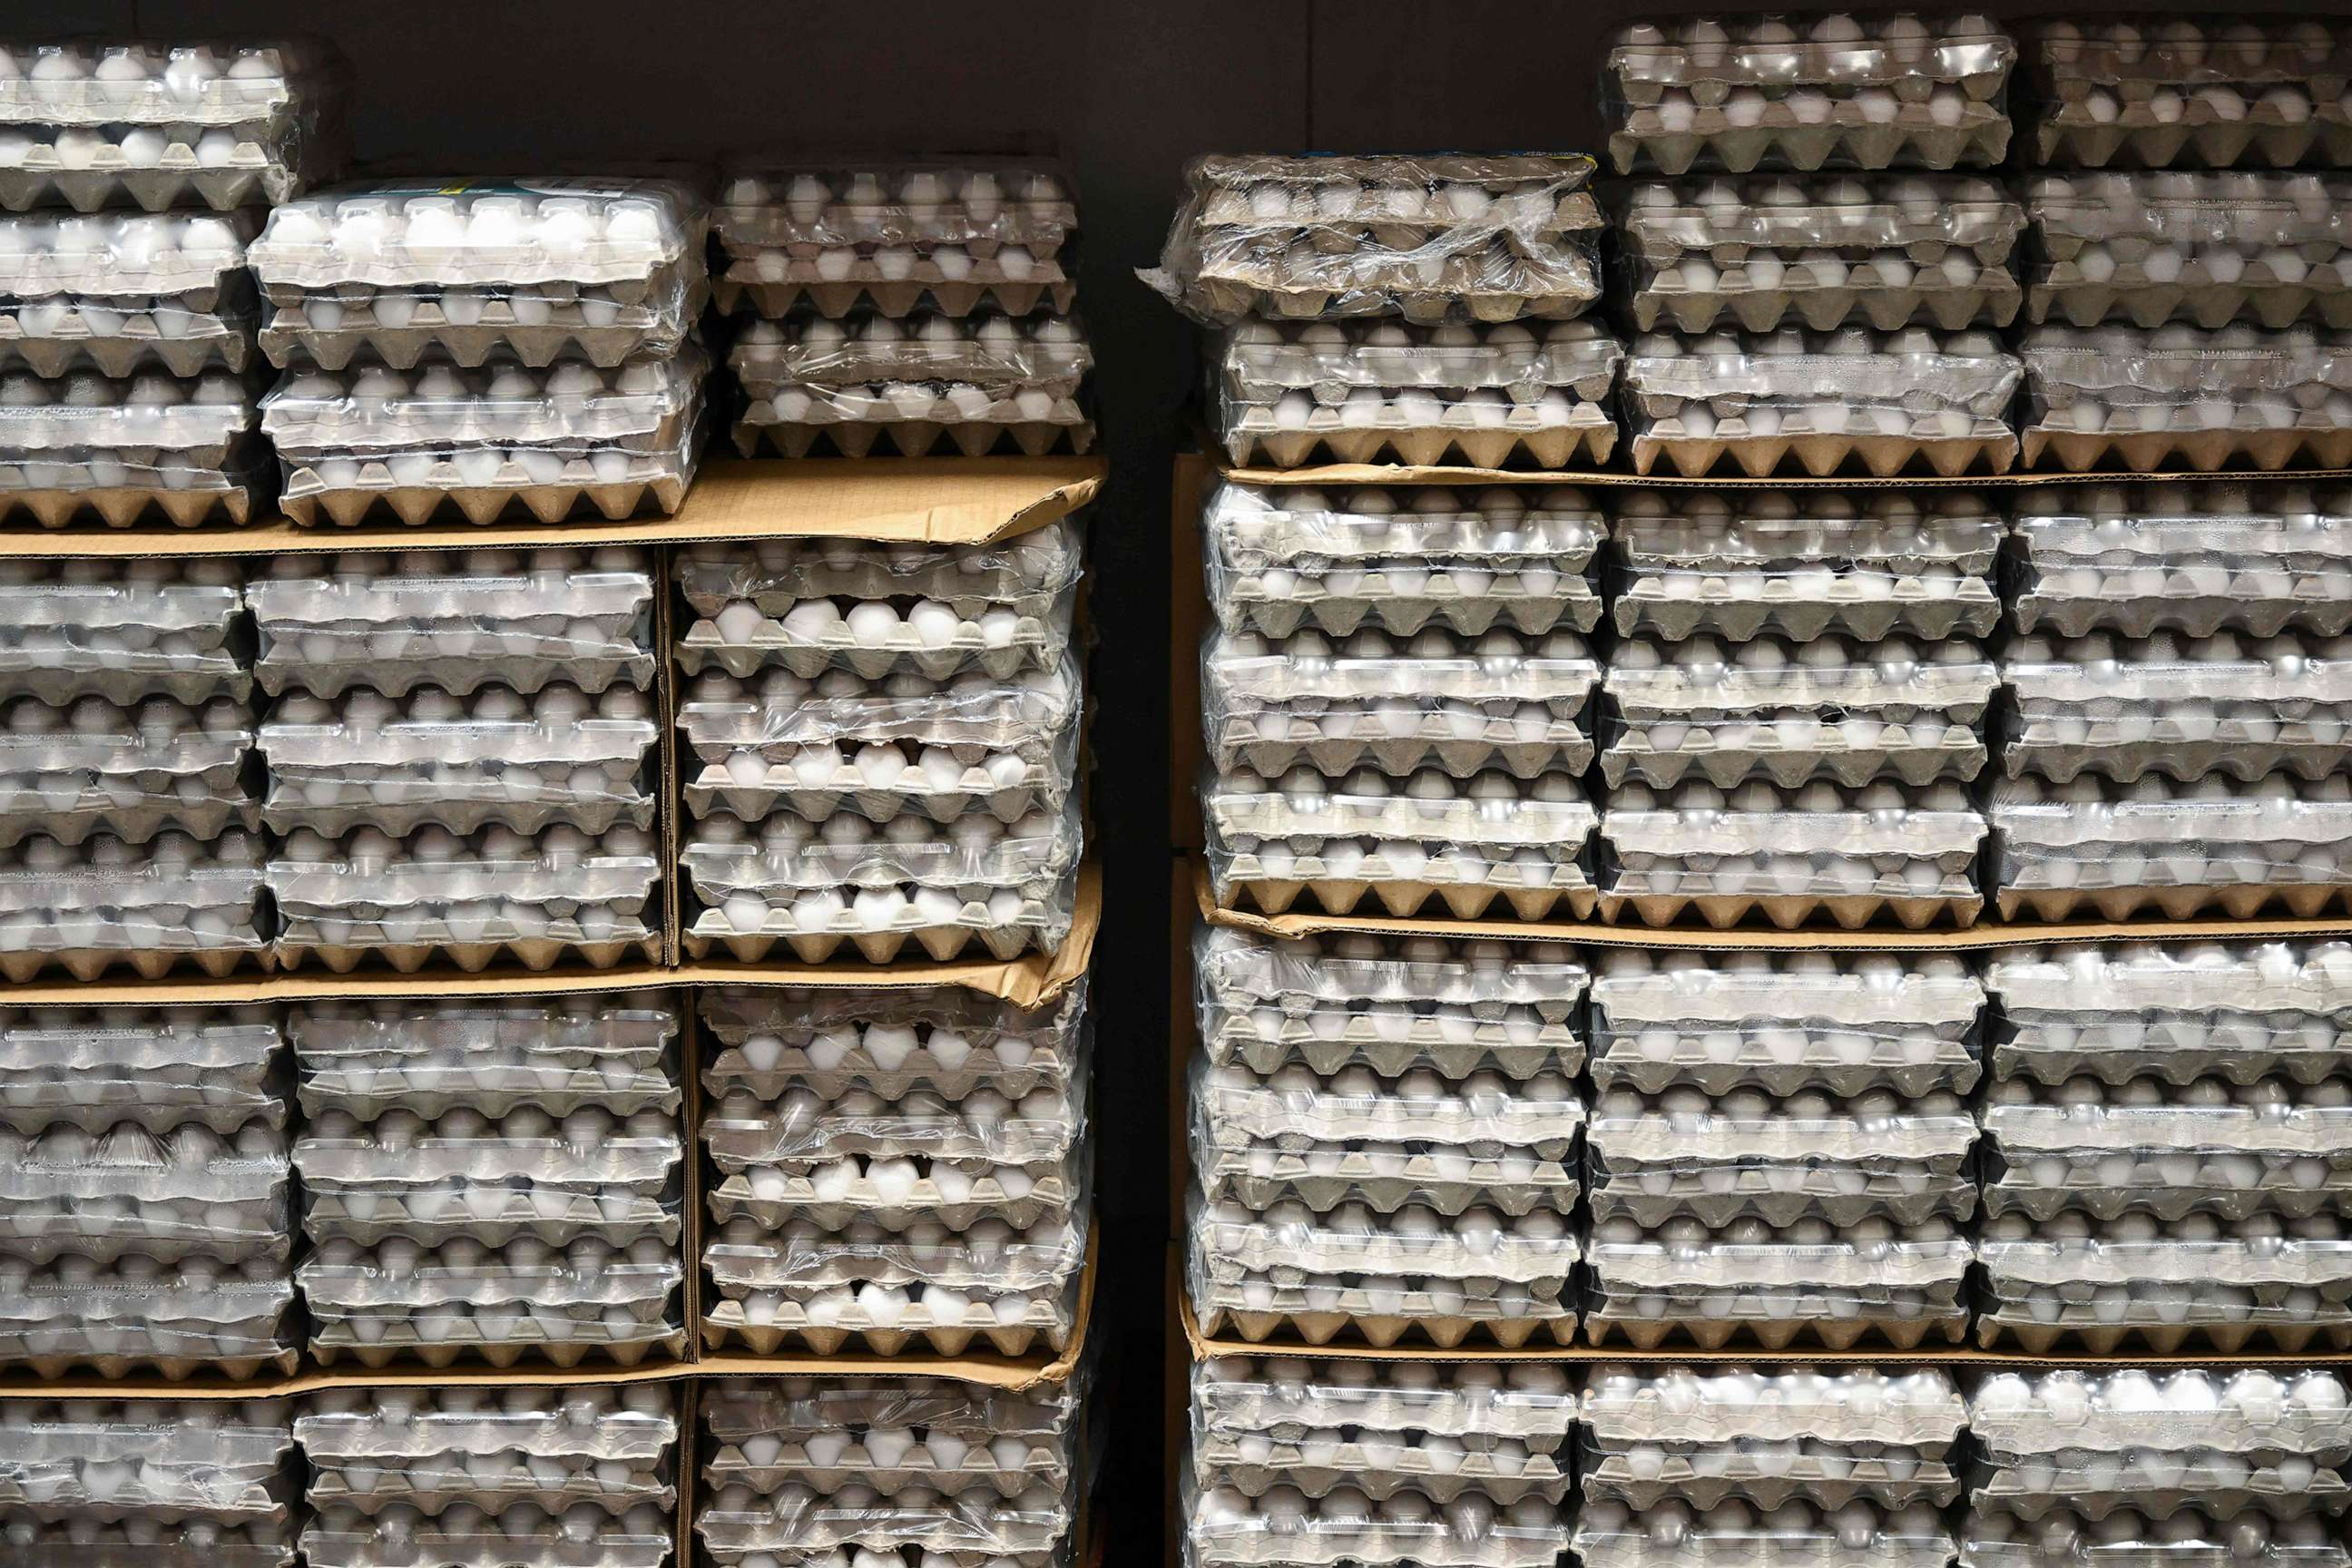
x: 1612, y: 478
x: 665, y: 689
x: 927, y: 501
x: 689, y: 1416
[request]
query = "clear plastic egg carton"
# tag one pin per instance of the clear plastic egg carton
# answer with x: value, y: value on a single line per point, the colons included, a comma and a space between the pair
x: 1285, y: 1528
x: 148, y: 1465
x: 472, y: 900
x: 2059, y: 851
x: 1865, y: 564
x: 1436, y: 700
x: 561, y: 1054
x: 87, y: 447
x: 455, y: 619
x: 889, y: 1042
x: 482, y: 444
x: 1495, y: 396
x: 1388, y: 1003
x: 1786, y: 711
x: 169, y: 903
x: 1452, y: 238
x: 96, y: 1067
x: 1929, y: 250
x: 761, y: 624
x: 122, y: 630
x: 132, y: 772
x: 1822, y: 404
x: 2208, y: 249
x: 136, y: 1316
x: 1734, y: 1534
x: 523, y: 1536
x: 2155, y: 92
x: 1849, y: 858
x: 741, y: 1525
x: 1759, y: 92
x: 435, y: 759
x: 1785, y: 1024
x: 808, y: 208
x: 950, y: 416
x: 1357, y: 1274
x: 602, y: 269
x: 2188, y: 1536
x: 1355, y: 1138
x: 2179, y: 396
x: 900, y: 282
x: 1280, y: 560
x: 1823, y: 1437
x: 117, y: 293
x: 164, y: 1192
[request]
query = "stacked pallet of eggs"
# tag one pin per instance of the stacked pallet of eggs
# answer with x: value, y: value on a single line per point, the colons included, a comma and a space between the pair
x: 176, y: 1483
x: 896, y: 1169
x: 518, y: 1475
x: 491, y: 1180
x: 911, y: 308
x: 1297, y: 1460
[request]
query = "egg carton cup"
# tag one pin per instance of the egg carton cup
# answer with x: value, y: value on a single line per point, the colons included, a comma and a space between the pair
x: 890, y: 1043
x: 1828, y: 1543
x: 343, y: 1538
x: 176, y: 1322
x: 808, y: 208
x: 998, y: 643
x: 434, y: 1487
x: 2121, y: 93
x: 58, y: 337
x: 1272, y: 852
x: 592, y: 773
x: 1416, y: 429
x: 946, y: 280
x: 150, y: 908
x: 533, y: 325
x: 957, y: 1193
x: 2166, y: 1295
x: 140, y: 487
x: 131, y: 784
x: 2097, y: 1489
x: 1225, y: 1529
x: 1719, y: 1167
x: 1028, y: 1527
x: 88, y: 168
x: 2179, y: 396
x: 827, y: 1320
x: 122, y: 631
x: 93, y: 1069
x: 1903, y: 1294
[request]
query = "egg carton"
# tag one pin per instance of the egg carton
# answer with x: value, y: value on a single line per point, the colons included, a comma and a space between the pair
x: 615, y: 1307
x: 1851, y: 858
x: 2193, y: 1536
x: 193, y: 1544
x: 1380, y: 1309
x: 1785, y: 1024
x: 912, y: 418
x: 1731, y: 1535
x: 107, y: 1461
x: 808, y: 208
x: 88, y: 82
x: 2034, y: 1424
x: 2261, y: 1155
x: 900, y: 1193
x: 1417, y: 428
x: 158, y: 168
x: 1823, y: 403
x: 1382, y: 1179
x: 136, y: 1316
x: 889, y: 1320
x: 590, y: 1151
x: 1046, y: 355
x: 1260, y: 364
x: 804, y: 1260
x: 492, y: 1213
x: 150, y: 908
x: 890, y: 1043
x: 2166, y: 1288
x: 141, y: 488
x: 536, y: 325
x: 59, y: 336
x: 121, y: 630
x: 1285, y: 1528
x: 799, y: 1127
x: 131, y: 773
x: 873, y: 640
x: 1805, y: 1284
x: 1860, y: 564
x: 167, y: 1194
x: 557, y: 1054
x: 1785, y: 250
x: 1029, y: 574
x: 1448, y: 238
x: 1026, y: 1528
x: 96, y: 1067
x: 2143, y: 93
x: 1379, y: 1467
x: 338, y: 1537
x: 346, y: 1429
x: 891, y: 1435
x: 2097, y: 1489
x: 897, y: 281
x: 432, y: 1489
x: 2178, y: 397
x: 181, y: 445
x: 2061, y: 850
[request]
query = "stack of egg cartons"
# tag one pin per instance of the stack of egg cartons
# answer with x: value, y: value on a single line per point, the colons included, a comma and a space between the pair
x: 493, y: 1180
x: 1779, y: 1147
x: 905, y: 307
x: 174, y: 1483
x: 581, y: 1475
x: 1727, y: 1465
x: 1298, y: 1460
x: 896, y: 1168
x: 2169, y: 1148
x: 2125, y: 1465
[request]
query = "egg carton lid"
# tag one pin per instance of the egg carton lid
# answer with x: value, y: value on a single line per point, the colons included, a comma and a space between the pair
x: 344, y: 1537
x: 2025, y: 818
x: 1253, y: 528
x: 770, y: 356
x: 2119, y: 979
x: 941, y: 201
x: 774, y: 1198
x: 721, y: 714
x: 1921, y: 213
x: 1921, y: 1413
x: 1272, y: 810
x: 2082, y: 1132
x: 151, y: 1167
x: 1900, y: 50
x: 249, y: 1493
x: 2129, y: 366
x: 1854, y: 367
x: 1869, y: 1272
x: 609, y: 587
x: 123, y: 255
x: 242, y: 1443
x: 2175, y: 209
x: 226, y: 870
x: 735, y: 1409
x: 1036, y: 866
x: 1329, y: 1181
x: 1872, y: 678
x: 2220, y: 1492
x: 430, y: 1491
x: 1230, y: 1251
x: 1385, y: 187
x: 971, y: 1522
x: 1032, y: 572
x: 368, y: 1285
x: 1913, y: 1146
x: 362, y: 1162
x: 2094, y: 676
x: 1258, y: 360
x: 207, y: 411
x: 1289, y: 1397
x: 632, y: 1027
x: 2105, y: 1420
x: 733, y: 1014
x: 1852, y: 1063
x: 491, y: 1088
x: 1255, y: 1540
x: 1255, y: 1465
x: 1781, y: 992
x: 1957, y: 532
x: 2124, y: 50
x: 1237, y: 1108
x: 1247, y: 672
x: 1304, y: 974
x: 998, y: 642
x: 614, y: 230
x: 1826, y: 1546
x: 329, y: 746
x: 1976, y: 1551
x: 375, y: 409
x: 797, y: 1132
x: 2085, y: 1261
x: 182, y: 81
x: 2124, y: 524
x: 1919, y: 835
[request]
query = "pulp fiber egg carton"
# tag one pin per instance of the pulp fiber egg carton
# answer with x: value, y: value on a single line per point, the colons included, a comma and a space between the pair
x: 454, y: 620
x: 928, y: 1289
x: 1469, y: 844
x: 524, y: 761
x: 173, y: 902
x: 137, y: 1315
x: 401, y: 1301
x: 2195, y: 559
x: 1280, y: 559
x: 119, y: 293
x: 129, y: 772
x: 161, y: 1191
x: 2208, y: 249
x: 1785, y: 1022
x: 122, y: 630
x: 1824, y: 1437
x: 2185, y: 706
x: 552, y: 443
x: 1285, y: 1528
x: 832, y: 1041
x: 215, y: 1067
x: 602, y: 270
x: 1496, y: 1432
x: 1806, y: 1283
x: 2059, y: 851
x: 1355, y: 1274
x: 91, y: 124
x: 1494, y: 395
x: 1734, y: 1534
x: 2225, y: 1441
x: 1786, y: 250
x: 1785, y: 710
x: 185, y: 448
x: 1355, y: 1138
x: 1848, y: 856
x: 1864, y: 564
x: 1436, y: 700
x: 2179, y: 396
x: 2189, y: 1533
x: 1454, y: 237
x: 1833, y: 92
x: 1388, y: 1003
x: 523, y: 1535
x: 175, y: 1482
x: 532, y: 900
x: 2181, y: 92
x: 1779, y: 1158
x: 1821, y: 403
x: 615, y: 1052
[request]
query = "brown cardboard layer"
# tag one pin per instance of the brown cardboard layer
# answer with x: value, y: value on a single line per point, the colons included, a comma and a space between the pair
x: 928, y: 501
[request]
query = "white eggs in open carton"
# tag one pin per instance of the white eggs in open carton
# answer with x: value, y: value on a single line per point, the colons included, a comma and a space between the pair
x: 188, y: 449
x: 119, y: 293
x: 177, y: 1483
x: 2187, y: 91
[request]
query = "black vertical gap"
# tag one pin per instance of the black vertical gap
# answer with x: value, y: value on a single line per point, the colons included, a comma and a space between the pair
x: 1307, y: 142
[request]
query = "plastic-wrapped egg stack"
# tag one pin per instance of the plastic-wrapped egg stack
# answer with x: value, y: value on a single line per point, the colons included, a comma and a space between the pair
x: 485, y: 350
x: 886, y: 743
x: 907, y: 307
x: 510, y: 1475
x: 491, y: 1179
x: 2165, y: 1140
x: 1300, y: 1461
x: 2187, y: 91
x: 896, y: 1169
x: 2150, y: 400
x: 883, y: 1469
x: 171, y: 1482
